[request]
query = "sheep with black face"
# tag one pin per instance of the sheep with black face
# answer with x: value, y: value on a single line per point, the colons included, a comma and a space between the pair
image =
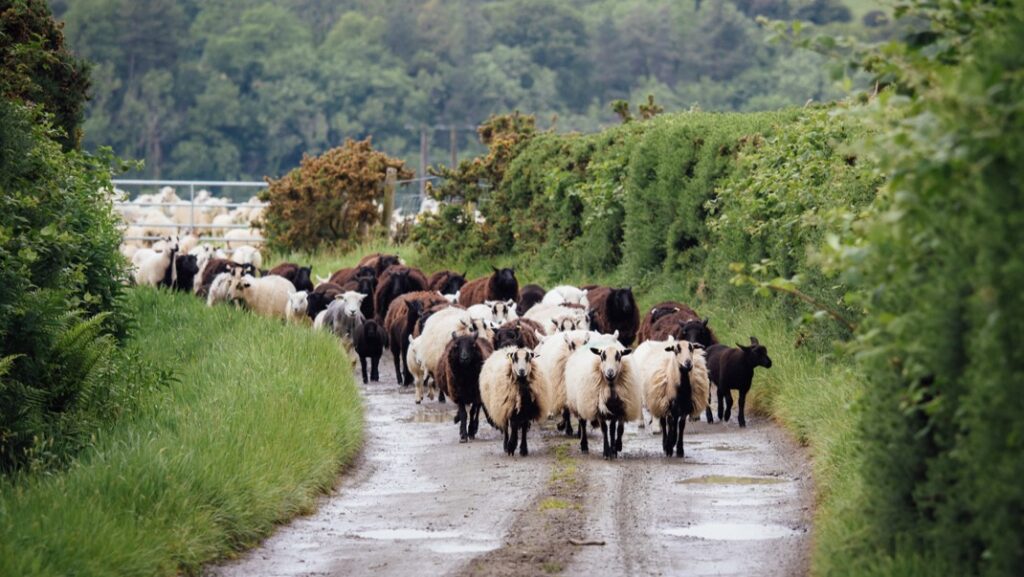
x: 512, y: 395
x: 458, y: 373
x: 601, y: 388
x: 733, y: 369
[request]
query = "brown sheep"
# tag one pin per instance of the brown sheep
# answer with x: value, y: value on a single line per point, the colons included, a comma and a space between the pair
x: 517, y: 332
x: 379, y: 262
x: 344, y: 275
x: 458, y: 373
x: 396, y: 281
x: 446, y: 282
x: 683, y: 325
x: 658, y: 311
x: 614, y: 310
x: 399, y: 322
x: 500, y: 286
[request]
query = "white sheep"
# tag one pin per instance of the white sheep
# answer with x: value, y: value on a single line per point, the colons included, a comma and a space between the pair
x: 267, y: 296
x: 220, y: 288
x: 566, y: 294
x: 600, y: 385
x: 552, y: 353
x: 674, y: 377
x: 296, y: 311
x: 513, y: 394
x: 558, y: 318
x: 242, y: 237
x: 437, y: 332
x: 247, y: 255
x: 150, y: 266
x: 497, y: 312
x: 420, y: 377
x: 344, y: 314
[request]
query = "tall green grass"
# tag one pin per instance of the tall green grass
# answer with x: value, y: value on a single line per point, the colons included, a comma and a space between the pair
x: 258, y: 421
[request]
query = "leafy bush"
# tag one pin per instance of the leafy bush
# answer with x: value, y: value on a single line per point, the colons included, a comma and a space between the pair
x: 331, y: 200
x: 36, y: 67
x: 60, y: 287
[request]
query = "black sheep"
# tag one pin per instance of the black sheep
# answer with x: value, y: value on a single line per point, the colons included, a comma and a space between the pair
x: 188, y: 268
x: 446, y: 282
x: 321, y: 298
x: 500, y: 286
x: 614, y: 310
x: 298, y: 275
x: 369, y: 340
x: 458, y: 373
x: 733, y: 369
x: 395, y: 282
x: 529, y: 296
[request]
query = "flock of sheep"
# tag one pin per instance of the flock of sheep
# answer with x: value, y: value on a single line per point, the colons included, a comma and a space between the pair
x: 520, y: 355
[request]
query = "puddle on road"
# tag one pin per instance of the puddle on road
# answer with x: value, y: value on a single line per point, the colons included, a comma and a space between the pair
x: 402, y: 534
x: 730, y: 448
x: 731, y: 531
x: 477, y: 547
x: 423, y: 416
x: 727, y: 480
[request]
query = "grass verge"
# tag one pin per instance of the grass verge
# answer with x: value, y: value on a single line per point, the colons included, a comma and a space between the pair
x: 256, y: 423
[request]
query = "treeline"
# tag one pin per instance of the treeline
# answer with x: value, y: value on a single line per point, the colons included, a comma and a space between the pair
x: 890, y: 229
x: 242, y: 88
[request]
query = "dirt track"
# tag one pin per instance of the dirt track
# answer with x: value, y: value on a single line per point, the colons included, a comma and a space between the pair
x: 420, y: 503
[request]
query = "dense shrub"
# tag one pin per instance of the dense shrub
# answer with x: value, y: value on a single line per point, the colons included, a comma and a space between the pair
x: 60, y: 287
x: 330, y: 200
x: 36, y: 67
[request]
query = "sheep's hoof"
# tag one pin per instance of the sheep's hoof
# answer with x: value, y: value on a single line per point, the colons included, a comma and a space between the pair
x: 743, y: 424
x: 680, y: 454
x: 418, y: 401
x: 463, y: 439
x: 560, y: 426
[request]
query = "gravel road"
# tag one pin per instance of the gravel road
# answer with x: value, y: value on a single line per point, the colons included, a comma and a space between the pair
x: 419, y: 503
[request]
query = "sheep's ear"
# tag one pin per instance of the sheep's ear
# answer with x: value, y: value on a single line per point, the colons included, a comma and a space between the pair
x: 669, y: 349
x: 511, y: 356
x: 339, y: 296
x: 706, y: 321
x: 616, y: 333
x: 361, y: 297
x: 696, y: 346
x: 595, y: 351
x: 753, y: 341
x: 626, y: 351
x: 455, y: 335
x: 494, y: 268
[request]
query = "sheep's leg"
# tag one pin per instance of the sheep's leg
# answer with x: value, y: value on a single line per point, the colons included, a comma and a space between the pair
x: 583, y: 436
x: 474, y: 419
x: 743, y: 404
x: 620, y: 427
x: 604, y: 435
x: 362, y: 362
x: 666, y: 439
x: 566, y: 423
x: 513, y: 439
x: 505, y: 438
x: 460, y: 418
x: 707, y: 411
x: 419, y: 391
x: 721, y: 405
x: 728, y: 405
x: 405, y: 365
x: 397, y: 357
x: 523, y: 450
x: 679, y: 442
x: 440, y: 393
x: 374, y: 366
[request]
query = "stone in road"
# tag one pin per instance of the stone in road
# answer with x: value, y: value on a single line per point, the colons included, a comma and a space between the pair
x: 419, y: 503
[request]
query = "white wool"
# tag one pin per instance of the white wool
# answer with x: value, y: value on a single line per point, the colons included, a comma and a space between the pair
x: 554, y: 318
x: 247, y: 255
x: 566, y: 294
x: 437, y: 331
x: 220, y: 289
x: 586, y: 390
x: 203, y: 254
x: 657, y: 369
x: 220, y: 223
x: 419, y: 372
x: 453, y: 299
x: 552, y: 354
x: 499, y: 390
x: 497, y: 312
x: 188, y: 242
x: 267, y: 296
x: 242, y: 237
x: 318, y: 322
x: 296, y: 311
x: 150, y: 265
x: 344, y: 314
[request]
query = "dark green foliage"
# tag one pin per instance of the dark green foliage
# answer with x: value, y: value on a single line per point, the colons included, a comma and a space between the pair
x: 60, y: 290
x: 37, y: 68
x: 242, y: 89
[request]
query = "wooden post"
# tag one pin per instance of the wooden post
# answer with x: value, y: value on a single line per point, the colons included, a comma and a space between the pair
x: 390, y: 182
x: 453, y: 141
x: 423, y: 162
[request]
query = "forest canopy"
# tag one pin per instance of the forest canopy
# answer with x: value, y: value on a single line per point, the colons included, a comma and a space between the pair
x: 242, y: 88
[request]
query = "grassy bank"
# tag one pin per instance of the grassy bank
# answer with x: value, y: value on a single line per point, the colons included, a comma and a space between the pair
x: 257, y: 421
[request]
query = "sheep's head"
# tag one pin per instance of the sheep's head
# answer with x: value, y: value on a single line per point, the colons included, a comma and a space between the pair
x: 756, y: 354
x: 611, y: 360
x: 657, y: 313
x: 240, y: 284
x: 302, y: 276
x: 696, y: 331
x: 467, y: 326
x: 622, y: 301
x: 452, y: 298
x: 298, y: 301
x: 502, y: 311
x: 453, y: 284
x: 366, y: 285
x: 353, y: 302
x: 504, y: 280
x: 566, y: 323
x: 465, y: 350
x: 683, y: 351
x: 576, y: 339
x: 507, y: 337
x: 187, y: 264
x: 521, y: 360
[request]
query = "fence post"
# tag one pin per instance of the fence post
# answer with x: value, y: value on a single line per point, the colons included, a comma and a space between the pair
x: 390, y: 182
x: 192, y: 209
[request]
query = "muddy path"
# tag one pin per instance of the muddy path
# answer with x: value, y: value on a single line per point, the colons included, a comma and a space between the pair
x: 418, y: 502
